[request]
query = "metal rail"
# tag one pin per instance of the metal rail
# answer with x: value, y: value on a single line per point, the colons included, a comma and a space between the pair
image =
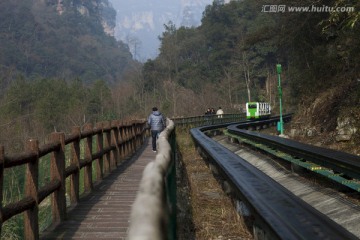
x: 197, y: 121
x: 276, y: 210
x: 336, y: 165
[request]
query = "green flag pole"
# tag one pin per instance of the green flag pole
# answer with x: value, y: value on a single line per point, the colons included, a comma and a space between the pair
x: 281, y: 123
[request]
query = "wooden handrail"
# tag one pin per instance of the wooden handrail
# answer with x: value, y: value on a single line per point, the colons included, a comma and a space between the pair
x: 114, y: 142
x: 150, y: 208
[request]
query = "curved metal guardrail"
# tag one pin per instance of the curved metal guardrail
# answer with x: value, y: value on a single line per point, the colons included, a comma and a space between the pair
x: 276, y: 210
x: 339, y: 166
x: 153, y: 212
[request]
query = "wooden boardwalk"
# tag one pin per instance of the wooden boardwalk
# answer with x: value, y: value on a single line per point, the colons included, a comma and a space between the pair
x: 105, y: 213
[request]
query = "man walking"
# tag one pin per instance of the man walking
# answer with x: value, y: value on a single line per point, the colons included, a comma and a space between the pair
x: 157, y: 123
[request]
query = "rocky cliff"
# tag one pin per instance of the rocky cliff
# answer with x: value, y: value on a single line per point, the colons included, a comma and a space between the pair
x: 100, y: 9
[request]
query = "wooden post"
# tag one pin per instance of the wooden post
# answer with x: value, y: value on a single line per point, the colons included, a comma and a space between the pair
x: 138, y: 136
x: 57, y: 172
x: 107, y: 167
x: 31, y: 221
x: 122, y: 141
x: 126, y: 137
x: 114, y: 142
x: 75, y: 161
x: 100, y: 147
x: 88, y: 185
x: 132, y: 136
x: 2, y: 160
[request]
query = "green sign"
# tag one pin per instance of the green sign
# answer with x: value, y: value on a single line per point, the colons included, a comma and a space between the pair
x: 280, y: 125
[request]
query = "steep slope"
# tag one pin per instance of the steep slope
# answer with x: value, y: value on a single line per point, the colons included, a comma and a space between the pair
x: 61, y: 39
x: 331, y: 120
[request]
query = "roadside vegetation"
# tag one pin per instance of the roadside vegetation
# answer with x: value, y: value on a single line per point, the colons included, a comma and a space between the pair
x: 204, y: 210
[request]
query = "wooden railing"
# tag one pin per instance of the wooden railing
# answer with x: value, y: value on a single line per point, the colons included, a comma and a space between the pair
x: 153, y: 214
x: 114, y: 142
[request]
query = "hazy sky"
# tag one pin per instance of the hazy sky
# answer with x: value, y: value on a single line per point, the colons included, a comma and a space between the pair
x: 140, y: 22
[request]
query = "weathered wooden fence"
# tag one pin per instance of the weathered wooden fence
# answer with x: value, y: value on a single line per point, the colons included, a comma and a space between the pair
x: 114, y: 140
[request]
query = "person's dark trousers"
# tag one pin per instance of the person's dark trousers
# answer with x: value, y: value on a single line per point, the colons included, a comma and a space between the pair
x: 154, y: 136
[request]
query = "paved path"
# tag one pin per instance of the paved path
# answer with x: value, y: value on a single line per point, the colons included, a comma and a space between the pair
x: 105, y: 213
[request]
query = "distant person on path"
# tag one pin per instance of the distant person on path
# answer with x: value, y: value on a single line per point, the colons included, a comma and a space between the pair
x: 219, y: 112
x: 208, y: 111
x: 157, y: 123
x: 207, y: 116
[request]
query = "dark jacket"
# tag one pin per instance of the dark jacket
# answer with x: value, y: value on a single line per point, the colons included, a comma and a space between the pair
x: 156, y: 121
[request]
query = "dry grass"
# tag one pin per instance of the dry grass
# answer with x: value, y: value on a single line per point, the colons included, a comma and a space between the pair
x: 213, y: 214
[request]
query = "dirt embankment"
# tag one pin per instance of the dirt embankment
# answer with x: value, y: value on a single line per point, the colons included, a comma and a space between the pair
x: 331, y: 120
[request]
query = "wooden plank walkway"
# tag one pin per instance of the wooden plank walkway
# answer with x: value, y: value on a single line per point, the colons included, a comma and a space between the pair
x: 105, y: 213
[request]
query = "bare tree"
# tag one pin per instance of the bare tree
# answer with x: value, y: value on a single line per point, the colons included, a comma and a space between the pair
x: 134, y: 44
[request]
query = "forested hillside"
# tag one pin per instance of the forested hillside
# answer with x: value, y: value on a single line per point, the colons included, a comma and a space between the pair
x: 231, y: 57
x: 57, y: 65
x: 46, y: 39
